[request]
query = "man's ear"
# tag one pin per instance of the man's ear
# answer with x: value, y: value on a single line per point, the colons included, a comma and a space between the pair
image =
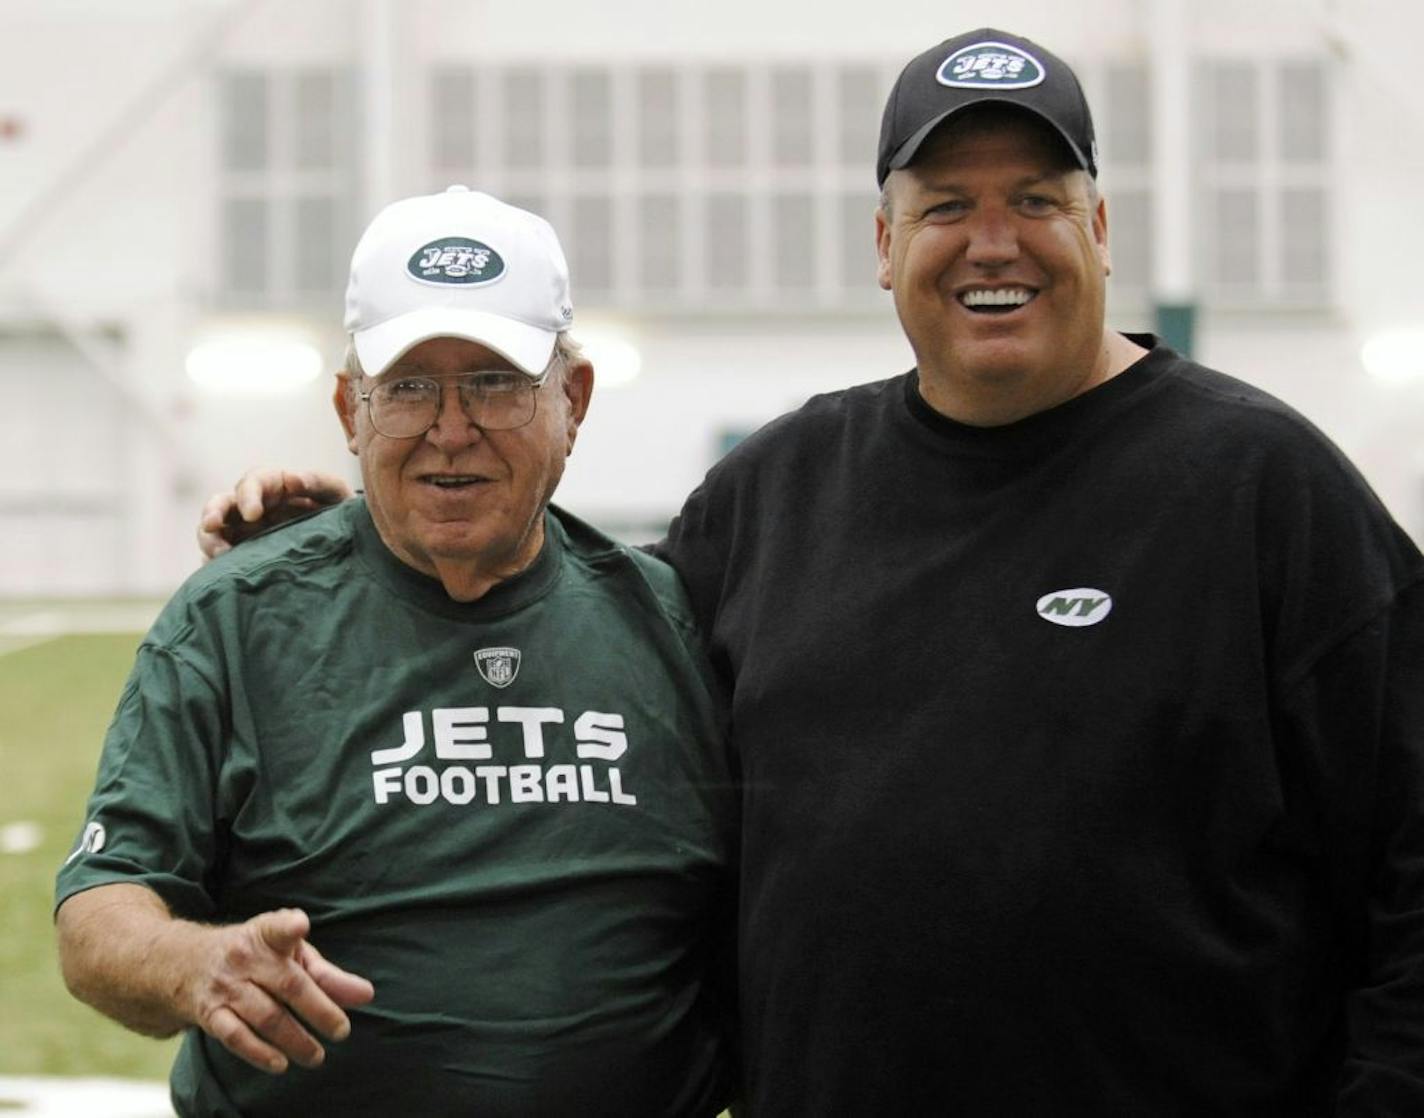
x: 344, y: 400
x: 1100, y: 235
x: 578, y: 390
x: 883, y: 271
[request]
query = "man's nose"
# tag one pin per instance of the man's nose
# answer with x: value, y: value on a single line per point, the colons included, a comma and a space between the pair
x: 453, y: 426
x: 993, y: 237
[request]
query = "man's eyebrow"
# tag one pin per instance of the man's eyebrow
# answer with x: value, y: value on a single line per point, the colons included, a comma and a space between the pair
x: 1052, y: 176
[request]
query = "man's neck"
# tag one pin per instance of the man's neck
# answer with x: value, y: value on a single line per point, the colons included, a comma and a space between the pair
x: 998, y: 405
x: 468, y: 580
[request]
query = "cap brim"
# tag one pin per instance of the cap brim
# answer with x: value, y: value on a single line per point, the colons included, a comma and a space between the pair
x: 905, y: 154
x: 528, y: 347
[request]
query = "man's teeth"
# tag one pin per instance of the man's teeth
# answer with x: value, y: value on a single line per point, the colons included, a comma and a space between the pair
x: 999, y: 297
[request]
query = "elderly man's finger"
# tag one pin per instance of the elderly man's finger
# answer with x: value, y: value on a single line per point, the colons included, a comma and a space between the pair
x: 270, y: 1014
x: 293, y: 987
x: 234, y: 1034
x: 270, y: 1021
x: 282, y: 929
x: 341, y: 986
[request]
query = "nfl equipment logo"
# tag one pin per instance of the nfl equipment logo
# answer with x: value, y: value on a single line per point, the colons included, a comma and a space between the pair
x: 498, y: 666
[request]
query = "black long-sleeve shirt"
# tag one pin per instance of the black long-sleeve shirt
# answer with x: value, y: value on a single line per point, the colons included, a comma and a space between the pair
x: 1083, y: 757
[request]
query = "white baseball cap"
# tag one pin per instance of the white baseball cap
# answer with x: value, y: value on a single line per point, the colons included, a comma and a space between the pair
x: 457, y: 265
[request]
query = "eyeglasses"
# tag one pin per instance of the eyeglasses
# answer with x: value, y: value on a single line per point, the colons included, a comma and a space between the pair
x: 499, y: 400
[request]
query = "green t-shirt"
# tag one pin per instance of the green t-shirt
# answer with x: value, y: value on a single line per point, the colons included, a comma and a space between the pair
x: 514, y: 816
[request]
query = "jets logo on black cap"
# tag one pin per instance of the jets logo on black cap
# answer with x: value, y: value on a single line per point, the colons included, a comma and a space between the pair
x: 456, y: 260
x: 990, y: 66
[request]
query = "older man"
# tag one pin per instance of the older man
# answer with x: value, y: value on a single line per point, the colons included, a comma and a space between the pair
x: 449, y: 733
x: 1078, y: 690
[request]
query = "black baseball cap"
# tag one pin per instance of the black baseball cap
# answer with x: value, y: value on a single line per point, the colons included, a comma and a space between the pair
x: 984, y: 67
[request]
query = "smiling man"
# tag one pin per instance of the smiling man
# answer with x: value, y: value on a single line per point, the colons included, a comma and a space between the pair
x: 994, y: 245
x: 453, y: 735
x: 1077, y: 689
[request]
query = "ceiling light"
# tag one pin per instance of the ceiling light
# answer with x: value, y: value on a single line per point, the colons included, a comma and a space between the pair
x: 253, y: 364
x: 1395, y: 356
x: 616, y: 360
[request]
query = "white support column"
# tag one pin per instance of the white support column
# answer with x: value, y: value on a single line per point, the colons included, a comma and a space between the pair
x: 1174, y: 288
x: 377, y: 82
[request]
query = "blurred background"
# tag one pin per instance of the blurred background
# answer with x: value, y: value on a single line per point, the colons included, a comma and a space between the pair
x: 181, y: 183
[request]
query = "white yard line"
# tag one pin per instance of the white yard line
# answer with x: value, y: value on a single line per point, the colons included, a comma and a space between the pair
x: 80, y: 617
x: 19, y: 644
x: 44, y: 1097
x: 22, y: 628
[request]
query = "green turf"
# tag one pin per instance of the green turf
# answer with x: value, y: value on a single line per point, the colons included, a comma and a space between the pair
x: 56, y: 698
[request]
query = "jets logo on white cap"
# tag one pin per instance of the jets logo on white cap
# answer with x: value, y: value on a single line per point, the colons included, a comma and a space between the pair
x: 990, y: 66
x: 456, y: 260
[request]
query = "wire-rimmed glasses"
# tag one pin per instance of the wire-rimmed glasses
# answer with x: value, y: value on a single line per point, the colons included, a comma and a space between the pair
x: 495, y: 400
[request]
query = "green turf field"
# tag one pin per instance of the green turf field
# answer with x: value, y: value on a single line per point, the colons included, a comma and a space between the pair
x: 56, y: 697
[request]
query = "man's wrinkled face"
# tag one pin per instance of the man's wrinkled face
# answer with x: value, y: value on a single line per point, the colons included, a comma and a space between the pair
x: 458, y: 494
x: 995, y: 249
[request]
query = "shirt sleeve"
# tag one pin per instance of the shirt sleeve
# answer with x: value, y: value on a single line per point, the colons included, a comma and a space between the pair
x: 696, y: 546
x: 1355, y: 722
x: 151, y: 819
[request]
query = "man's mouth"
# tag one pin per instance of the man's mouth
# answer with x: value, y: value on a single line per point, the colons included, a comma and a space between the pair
x: 996, y: 300
x: 453, y: 481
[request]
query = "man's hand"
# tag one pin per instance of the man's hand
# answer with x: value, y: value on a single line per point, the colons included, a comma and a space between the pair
x: 263, y: 498
x: 258, y: 987
x: 261, y: 990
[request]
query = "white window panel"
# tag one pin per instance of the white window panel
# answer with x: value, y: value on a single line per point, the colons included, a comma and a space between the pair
x: 792, y: 127
x: 244, y: 109
x: 660, y: 226
x: 524, y: 117
x: 591, y: 114
x: 245, y: 223
x: 1235, y: 110
x: 725, y: 108
x: 453, y: 121
x: 659, y: 121
x: 1264, y: 170
x: 317, y: 267
x: 858, y: 262
x: 726, y: 242
x: 1303, y: 112
x: 591, y: 248
x: 1237, y: 241
x: 1304, y: 237
x: 1130, y: 241
x: 793, y: 228
x: 860, y: 99
x: 1126, y: 138
x: 313, y: 135
x: 286, y: 177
